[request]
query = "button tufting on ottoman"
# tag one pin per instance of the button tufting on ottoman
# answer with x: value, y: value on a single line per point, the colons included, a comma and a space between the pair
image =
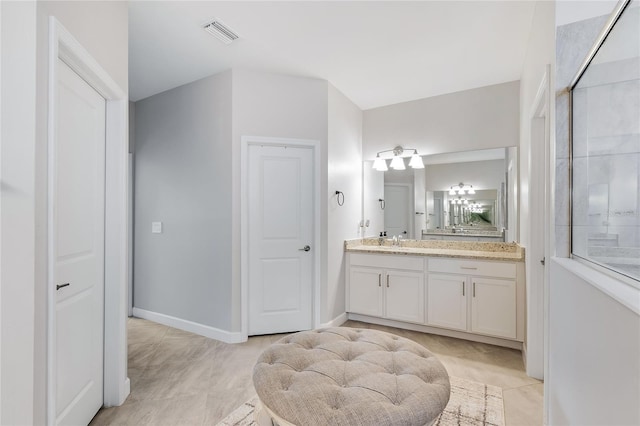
x: 348, y: 376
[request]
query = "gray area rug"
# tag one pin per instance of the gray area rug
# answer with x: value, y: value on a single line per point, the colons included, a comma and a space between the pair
x: 471, y: 403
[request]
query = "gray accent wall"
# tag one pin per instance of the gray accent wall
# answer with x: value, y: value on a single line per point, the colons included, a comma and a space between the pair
x: 183, y: 179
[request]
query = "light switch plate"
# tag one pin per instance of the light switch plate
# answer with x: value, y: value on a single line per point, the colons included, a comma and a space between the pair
x: 156, y: 227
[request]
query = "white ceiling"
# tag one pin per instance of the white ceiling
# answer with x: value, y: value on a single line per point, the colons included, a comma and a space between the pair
x: 375, y: 52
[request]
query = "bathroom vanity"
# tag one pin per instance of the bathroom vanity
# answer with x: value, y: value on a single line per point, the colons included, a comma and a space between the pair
x: 469, y: 290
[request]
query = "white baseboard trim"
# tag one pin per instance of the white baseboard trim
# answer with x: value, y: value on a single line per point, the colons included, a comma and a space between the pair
x: 190, y: 326
x: 127, y: 389
x: 336, y: 322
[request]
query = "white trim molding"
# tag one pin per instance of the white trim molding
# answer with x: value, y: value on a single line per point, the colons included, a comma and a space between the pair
x: 537, y: 276
x: 244, y: 222
x: 190, y: 326
x: 62, y: 45
x: 336, y: 322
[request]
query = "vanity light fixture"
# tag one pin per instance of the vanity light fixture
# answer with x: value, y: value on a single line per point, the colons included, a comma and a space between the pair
x: 397, y: 163
x: 416, y: 161
x: 476, y: 208
x: 397, y: 156
x: 461, y: 189
x: 380, y: 164
x: 459, y: 201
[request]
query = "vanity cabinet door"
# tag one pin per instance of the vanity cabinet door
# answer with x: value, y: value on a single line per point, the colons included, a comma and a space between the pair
x: 365, y: 290
x: 405, y: 296
x: 447, y: 301
x: 493, y: 307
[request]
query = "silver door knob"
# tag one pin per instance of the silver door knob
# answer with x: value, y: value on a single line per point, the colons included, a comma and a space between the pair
x: 305, y: 248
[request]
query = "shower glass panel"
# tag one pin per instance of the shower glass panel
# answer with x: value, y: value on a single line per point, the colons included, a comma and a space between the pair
x: 606, y: 152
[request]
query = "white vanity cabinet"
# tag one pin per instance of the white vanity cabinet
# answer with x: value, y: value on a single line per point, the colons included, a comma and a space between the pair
x: 481, y: 294
x: 386, y: 286
x: 476, y: 299
x: 447, y: 301
x: 404, y: 296
x: 493, y: 307
x: 365, y: 291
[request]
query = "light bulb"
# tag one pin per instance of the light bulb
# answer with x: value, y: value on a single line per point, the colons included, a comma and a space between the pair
x: 397, y: 163
x: 471, y: 190
x: 416, y: 162
x: 452, y: 191
x: 380, y: 164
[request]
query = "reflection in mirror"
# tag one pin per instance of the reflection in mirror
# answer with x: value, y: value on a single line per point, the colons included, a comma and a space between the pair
x: 430, y: 203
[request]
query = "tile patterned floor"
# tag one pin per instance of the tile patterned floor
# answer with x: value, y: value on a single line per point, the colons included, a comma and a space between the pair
x: 179, y: 378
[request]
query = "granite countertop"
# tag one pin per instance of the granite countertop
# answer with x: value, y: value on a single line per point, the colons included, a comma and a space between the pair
x: 459, y: 249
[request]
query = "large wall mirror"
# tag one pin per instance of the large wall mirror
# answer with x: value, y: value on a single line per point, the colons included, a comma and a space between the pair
x: 469, y: 195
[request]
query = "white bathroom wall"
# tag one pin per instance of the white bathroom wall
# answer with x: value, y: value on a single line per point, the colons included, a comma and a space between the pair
x: 17, y: 222
x: 345, y: 175
x: 594, y: 363
x: 481, y: 174
x: 486, y: 117
x: 277, y: 105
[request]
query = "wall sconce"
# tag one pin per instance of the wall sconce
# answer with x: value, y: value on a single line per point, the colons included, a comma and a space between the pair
x: 397, y: 156
x: 461, y: 189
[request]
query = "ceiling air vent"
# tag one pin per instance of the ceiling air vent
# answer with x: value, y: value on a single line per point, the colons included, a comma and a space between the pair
x: 220, y: 31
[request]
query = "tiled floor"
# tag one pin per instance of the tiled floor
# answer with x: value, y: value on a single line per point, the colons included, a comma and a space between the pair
x: 179, y: 378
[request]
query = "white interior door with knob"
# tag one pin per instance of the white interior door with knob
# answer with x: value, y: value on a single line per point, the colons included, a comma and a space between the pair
x: 281, y: 248
x: 77, y: 177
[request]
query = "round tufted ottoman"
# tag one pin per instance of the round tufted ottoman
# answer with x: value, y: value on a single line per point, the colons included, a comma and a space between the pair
x: 349, y: 376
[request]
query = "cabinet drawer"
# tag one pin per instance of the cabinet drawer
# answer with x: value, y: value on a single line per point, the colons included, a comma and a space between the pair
x: 412, y: 263
x: 473, y: 267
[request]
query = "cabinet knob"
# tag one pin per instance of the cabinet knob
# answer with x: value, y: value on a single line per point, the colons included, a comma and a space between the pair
x: 387, y: 280
x: 379, y: 280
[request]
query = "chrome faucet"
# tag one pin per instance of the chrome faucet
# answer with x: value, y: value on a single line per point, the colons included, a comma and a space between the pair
x: 397, y: 240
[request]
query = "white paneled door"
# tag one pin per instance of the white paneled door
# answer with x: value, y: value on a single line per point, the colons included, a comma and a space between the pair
x: 281, y: 246
x: 77, y: 217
